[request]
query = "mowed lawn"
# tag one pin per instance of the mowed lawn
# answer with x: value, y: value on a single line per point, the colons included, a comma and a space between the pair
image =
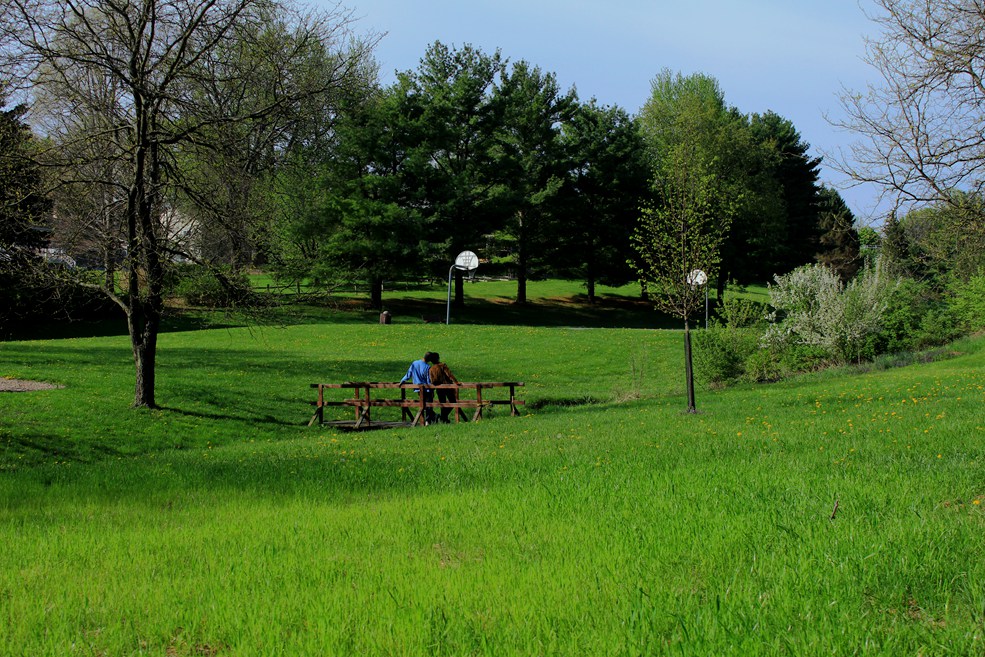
x: 833, y: 514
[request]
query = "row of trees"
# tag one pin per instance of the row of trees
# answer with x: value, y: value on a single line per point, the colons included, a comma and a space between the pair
x: 466, y: 152
x: 471, y: 151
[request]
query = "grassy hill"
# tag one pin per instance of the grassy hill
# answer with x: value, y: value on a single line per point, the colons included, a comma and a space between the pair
x: 836, y: 513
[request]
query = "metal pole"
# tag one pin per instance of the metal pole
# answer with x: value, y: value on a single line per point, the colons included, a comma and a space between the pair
x: 689, y: 370
x: 448, y: 307
x: 706, y: 306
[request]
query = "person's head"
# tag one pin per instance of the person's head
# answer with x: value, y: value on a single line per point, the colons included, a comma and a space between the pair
x: 434, y: 358
x: 428, y: 356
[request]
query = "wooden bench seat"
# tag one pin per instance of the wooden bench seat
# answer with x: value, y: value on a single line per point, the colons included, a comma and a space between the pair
x: 413, y: 407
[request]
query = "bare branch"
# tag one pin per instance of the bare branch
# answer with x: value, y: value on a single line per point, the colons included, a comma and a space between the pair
x: 921, y: 130
x: 131, y: 94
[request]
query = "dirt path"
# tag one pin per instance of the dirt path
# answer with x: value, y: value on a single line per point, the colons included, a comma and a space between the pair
x: 18, y: 385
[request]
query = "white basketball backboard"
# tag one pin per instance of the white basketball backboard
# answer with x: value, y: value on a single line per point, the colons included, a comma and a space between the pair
x: 467, y: 260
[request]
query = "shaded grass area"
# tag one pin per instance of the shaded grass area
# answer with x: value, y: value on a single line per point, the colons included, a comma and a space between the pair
x: 488, y: 302
x: 551, y: 303
x: 622, y: 528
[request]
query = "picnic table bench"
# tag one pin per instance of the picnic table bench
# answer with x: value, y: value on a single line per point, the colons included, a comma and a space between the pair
x: 414, y: 406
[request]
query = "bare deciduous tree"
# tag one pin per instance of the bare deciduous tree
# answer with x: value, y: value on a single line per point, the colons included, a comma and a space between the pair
x: 122, y: 87
x: 922, y: 127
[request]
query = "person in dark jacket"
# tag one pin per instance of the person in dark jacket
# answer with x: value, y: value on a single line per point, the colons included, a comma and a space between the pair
x: 439, y: 374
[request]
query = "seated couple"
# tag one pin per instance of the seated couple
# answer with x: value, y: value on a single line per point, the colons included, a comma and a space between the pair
x: 429, y: 370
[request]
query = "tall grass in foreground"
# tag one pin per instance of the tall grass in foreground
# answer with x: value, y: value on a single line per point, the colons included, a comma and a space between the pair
x: 610, y: 528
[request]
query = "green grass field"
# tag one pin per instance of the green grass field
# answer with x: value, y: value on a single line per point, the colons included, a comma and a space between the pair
x: 602, y: 522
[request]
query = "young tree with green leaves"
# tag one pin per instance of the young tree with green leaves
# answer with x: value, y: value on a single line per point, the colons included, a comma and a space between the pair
x: 683, y: 232
x: 680, y: 235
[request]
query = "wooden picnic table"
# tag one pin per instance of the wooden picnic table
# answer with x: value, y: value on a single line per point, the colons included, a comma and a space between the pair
x: 412, y: 407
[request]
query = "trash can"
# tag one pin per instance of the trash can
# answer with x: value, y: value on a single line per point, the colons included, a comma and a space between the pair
x: 385, y: 317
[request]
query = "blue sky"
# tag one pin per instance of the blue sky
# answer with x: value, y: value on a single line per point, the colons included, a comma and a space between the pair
x: 790, y: 56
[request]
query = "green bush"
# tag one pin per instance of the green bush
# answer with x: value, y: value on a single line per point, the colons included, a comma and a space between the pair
x: 969, y: 303
x: 803, y: 358
x: 720, y: 353
x: 202, y: 287
x: 939, y: 326
x: 917, y: 317
x: 906, y: 308
x: 736, y: 312
x: 764, y: 366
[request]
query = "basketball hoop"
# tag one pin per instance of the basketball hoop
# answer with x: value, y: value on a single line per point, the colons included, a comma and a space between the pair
x: 696, y: 279
x: 467, y: 262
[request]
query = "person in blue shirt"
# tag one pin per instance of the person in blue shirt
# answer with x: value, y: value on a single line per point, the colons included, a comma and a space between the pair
x: 419, y: 373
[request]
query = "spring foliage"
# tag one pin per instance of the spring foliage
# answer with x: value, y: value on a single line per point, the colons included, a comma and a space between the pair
x: 813, y: 307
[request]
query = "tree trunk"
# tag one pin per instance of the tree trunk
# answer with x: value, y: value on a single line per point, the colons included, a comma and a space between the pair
x: 521, y: 264
x: 521, y: 279
x: 145, y: 276
x: 144, y: 323
x: 459, y: 288
x: 376, y: 293
x: 688, y: 369
x: 590, y: 276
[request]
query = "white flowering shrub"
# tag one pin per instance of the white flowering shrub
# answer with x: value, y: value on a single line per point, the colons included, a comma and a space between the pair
x: 813, y: 307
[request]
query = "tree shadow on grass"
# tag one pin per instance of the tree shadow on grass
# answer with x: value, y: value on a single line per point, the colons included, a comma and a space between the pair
x: 204, y: 415
x: 175, y: 320
x: 610, y: 311
x: 359, y: 469
x: 37, y: 448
